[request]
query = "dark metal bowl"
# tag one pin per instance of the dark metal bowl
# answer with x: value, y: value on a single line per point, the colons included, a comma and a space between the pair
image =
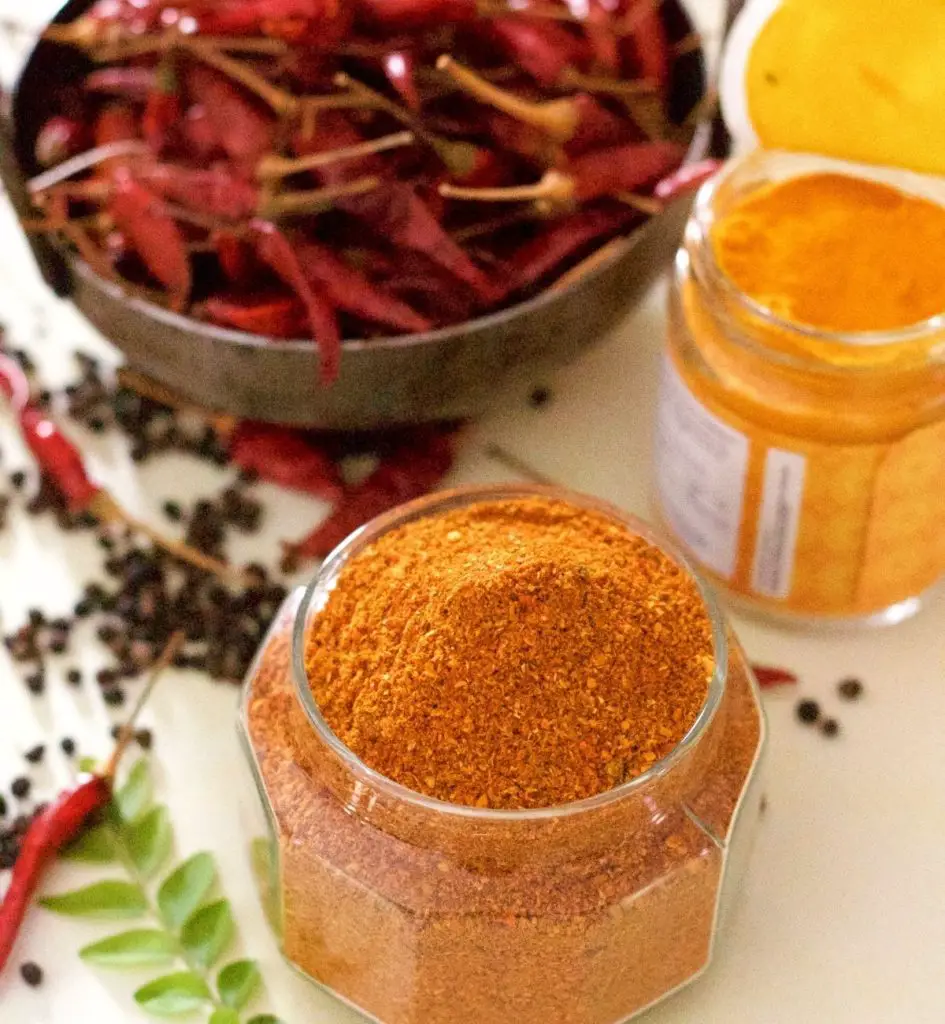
x: 451, y: 373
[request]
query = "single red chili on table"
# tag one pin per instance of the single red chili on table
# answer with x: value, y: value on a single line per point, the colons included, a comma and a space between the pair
x: 411, y: 470
x: 285, y: 457
x: 62, y: 463
x: 769, y: 676
x: 63, y: 820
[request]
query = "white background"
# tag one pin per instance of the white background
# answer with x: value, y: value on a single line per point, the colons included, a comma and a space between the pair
x: 842, y: 919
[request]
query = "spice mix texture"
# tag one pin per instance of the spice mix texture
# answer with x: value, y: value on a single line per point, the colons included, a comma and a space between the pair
x: 511, y: 654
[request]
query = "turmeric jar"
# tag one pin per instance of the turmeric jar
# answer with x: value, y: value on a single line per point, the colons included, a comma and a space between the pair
x: 800, y: 449
x: 492, y: 890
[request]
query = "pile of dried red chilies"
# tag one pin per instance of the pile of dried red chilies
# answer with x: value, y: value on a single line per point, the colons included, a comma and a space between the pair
x: 334, y: 168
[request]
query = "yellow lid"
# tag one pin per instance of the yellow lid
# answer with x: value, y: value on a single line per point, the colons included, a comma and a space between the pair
x: 862, y: 80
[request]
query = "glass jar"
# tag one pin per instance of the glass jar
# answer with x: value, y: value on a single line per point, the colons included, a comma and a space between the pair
x: 417, y: 911
x: 802, y: 471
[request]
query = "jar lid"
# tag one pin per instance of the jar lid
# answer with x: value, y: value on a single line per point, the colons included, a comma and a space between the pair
x: 860, y: 80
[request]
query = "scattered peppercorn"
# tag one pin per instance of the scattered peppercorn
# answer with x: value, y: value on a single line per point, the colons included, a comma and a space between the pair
x: 17, y: 480
x: 74, y: 677
x: 830, y: 727
x: 144, y: 738
x: 36, y: 617
x: 173, y: 511
x: 3, y: 806
x: 850, y: 688
x: 32, y: 974
x: 114, y: 696
x: 20, y: 787
x: 808, y: 711
x: 35, y: 754
x: 67, y: 745
x: 106, y: 677
x: 539, y: 397
x: 36, y: 683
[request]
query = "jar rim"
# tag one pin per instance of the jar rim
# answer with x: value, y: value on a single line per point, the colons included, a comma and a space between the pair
x: 320, y: 587
x: 701, y: 221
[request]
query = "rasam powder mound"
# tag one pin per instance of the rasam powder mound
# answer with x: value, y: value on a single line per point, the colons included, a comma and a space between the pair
x: 514, y: 653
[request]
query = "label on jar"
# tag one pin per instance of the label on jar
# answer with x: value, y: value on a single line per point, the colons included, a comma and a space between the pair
x: 701, y: 467
x: 807, y: 526
x: 778, y: 521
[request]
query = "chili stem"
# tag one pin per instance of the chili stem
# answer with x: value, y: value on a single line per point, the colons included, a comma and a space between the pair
x: 580, y: 270
x: 688, y: 44
x: 294, y: 204
x: 104, y: 507
x: 282, y: 102
x: 512, y: 462
x: 575, y: 79
x: 645, y: 204
x: 149, y: 388
x: 558, y: 118
x: 127, y: 732
x: 274, y: 167
x: 83, y: 161
x: 553, y: 186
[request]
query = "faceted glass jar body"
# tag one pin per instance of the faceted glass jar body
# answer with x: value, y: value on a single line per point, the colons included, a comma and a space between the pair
x: 802, y: 471
x: 416, y: 911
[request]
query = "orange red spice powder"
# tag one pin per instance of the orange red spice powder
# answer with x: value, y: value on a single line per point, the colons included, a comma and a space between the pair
x: 511, y: 654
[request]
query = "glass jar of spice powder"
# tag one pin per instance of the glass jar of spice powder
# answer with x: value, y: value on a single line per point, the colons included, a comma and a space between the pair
x: 422, y: 910
x: 800, y: 452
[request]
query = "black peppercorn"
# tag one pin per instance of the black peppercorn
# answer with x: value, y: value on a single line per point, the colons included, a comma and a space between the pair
x: 106, y: 677
x: 18, y: 479
x: 808, y: 711
x: 74, y: 677
x: 830, y: 727
x: 36, y: 683
x: 3, y: 806
x: 173, y: 511
x: 20, y: 787
x: 114, y: 696
x: 35, y: 754
x: 32, y: 974
x: 144, y: 738
x: 850, y: 688
x: 539, y: 397
x: 67, y: 745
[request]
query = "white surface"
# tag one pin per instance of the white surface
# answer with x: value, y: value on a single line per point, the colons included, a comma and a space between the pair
x: 842, y: 920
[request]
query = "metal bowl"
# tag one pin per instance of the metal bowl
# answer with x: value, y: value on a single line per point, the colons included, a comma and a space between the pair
x: 452, y: 373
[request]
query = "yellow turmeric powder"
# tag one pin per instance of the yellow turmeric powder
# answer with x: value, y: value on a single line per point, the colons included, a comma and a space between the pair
x: 801, y: 461
x: 836, y: 252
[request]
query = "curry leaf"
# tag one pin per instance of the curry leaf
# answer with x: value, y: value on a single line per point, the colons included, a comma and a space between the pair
x: 174, y: 994
x: 206, y: 933
x: 96, y: 845
x: 224, y: 1016
x: 139, y: 948
x: 132, y: 799
x: 184, y: 889
x: 149, y: 840
x: 103, y: 899
x: 237, y: 982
